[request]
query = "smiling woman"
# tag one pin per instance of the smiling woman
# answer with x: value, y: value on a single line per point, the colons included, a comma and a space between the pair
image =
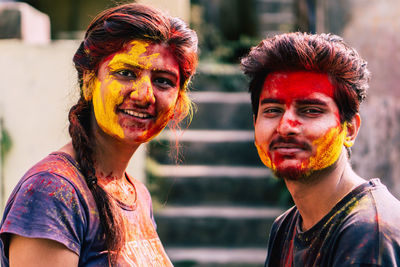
x: 135, y: 91
x: 78, y: 206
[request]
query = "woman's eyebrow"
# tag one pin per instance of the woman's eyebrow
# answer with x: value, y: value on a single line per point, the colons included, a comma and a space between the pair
x: 166, y: 71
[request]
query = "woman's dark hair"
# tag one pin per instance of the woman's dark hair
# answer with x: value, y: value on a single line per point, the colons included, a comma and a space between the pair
x: 324, y: 53
x: 107, y: 34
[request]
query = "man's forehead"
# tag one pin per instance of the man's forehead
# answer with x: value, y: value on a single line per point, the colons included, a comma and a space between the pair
x: 297, y: 84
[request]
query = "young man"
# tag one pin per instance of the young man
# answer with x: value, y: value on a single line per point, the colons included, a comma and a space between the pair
x: 305, y: 91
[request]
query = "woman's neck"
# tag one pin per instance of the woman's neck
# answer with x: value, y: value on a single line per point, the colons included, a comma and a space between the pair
x: 110, y: 155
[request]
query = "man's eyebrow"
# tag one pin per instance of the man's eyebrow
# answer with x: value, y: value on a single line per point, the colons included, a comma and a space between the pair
x: 311, y: 101
x: 271, y: 101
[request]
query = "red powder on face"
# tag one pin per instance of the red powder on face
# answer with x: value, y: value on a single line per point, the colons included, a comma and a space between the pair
x: 290, y: 102
x: 288, y: 86
x: 293, y: 123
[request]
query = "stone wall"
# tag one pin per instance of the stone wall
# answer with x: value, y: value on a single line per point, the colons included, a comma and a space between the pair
x: 376, y: 152
x: 373, y: 30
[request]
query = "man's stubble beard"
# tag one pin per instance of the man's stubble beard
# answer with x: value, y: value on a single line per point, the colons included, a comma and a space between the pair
x: 305, y: 176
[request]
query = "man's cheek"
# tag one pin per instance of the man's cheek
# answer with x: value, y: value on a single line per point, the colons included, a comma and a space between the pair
x: 328, y: 148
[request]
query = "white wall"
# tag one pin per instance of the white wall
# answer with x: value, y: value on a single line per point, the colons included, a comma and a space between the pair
x: 38, y: 86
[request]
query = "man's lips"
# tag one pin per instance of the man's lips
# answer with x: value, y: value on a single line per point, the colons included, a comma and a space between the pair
x: 288, y: 145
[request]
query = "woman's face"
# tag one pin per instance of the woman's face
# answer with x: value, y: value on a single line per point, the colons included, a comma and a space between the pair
x: 135, y: 91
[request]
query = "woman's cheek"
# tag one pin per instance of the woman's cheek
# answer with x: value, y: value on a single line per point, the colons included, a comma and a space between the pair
x: 105, y: 107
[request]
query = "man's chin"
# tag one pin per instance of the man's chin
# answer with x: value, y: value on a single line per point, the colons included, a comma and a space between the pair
x: 292, y: 174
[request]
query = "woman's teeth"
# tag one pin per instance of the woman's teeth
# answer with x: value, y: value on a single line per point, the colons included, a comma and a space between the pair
x: 136, y: 114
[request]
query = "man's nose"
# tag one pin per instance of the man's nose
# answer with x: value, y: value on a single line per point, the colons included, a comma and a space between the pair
x: 289, y: 124
x: 143, y: 93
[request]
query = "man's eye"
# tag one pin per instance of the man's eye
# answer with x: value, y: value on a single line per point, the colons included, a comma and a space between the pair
x: 164, y: 82
x: 126, y: 73
x: 311, y: 111
x: 271, y: 111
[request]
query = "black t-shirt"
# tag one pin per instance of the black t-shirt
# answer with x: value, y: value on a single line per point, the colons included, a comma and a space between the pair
x: 363, y: 229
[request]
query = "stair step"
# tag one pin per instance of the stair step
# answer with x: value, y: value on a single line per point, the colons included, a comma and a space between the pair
x: 221, y: 212
x: 219, y: 78
x: 274, y: 6
x: 207, y: 171
x: 208, y: 136
x: 214, y: 226
x: 277, y: 18
x: 217, y: 257
x: 222, y: 185
x: 207, y: 148
x: 226, y: 116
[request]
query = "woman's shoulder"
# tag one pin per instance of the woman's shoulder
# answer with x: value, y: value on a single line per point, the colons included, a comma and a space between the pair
x: 56, y: 174
x: 56, y: 164
x: 59, y: 163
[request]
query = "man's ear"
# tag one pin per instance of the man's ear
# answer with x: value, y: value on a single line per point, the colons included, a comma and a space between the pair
x: 352, y: 128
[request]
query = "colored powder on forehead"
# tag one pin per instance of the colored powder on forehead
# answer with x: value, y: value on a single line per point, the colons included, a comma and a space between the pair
x: 328, y: 147
x: 105, y: 105
x: 134, y: 56
x: 290, y: 85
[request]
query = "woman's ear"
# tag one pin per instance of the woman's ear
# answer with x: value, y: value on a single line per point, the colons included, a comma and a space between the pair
x: 352, y: 128
x: 87, y: 85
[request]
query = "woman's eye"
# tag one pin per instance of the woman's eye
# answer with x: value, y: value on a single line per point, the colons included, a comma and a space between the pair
x: 126, y: 73
x: 164, y: 82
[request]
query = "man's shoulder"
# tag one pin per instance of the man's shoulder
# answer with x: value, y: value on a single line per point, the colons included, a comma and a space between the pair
x: 378, y: 203
x: 376, y: 210
x: 285, y: 219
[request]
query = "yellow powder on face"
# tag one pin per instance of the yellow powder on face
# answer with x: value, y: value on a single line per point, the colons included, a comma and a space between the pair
x: 328, y: 151
x: 104, y: 107
x: 328, y: 147
x: 139, y: 86
x: 134, y: 56
x: 265, y: 158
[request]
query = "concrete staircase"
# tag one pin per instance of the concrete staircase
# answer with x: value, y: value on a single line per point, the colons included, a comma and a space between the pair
x: 275, y: 16
x: 215, y: 207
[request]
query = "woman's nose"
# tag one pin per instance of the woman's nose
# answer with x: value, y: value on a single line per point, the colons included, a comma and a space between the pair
x: 142, y: 92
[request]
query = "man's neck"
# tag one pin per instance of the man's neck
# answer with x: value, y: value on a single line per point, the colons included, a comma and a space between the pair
x: 316, y: 198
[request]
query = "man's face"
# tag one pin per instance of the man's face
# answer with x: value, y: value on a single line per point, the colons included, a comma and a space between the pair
x: 298, y: 130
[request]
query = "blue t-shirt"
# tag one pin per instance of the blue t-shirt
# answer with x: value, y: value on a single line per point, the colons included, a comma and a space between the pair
x: 363, y: 229
x: 52, y: 201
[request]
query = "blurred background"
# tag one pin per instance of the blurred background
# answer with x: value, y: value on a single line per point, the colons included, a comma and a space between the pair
x: 213, y: 198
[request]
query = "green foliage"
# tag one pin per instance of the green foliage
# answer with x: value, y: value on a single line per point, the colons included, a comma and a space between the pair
x: 232, y: 51
x: 214, y: 46
x: 6, y: 143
